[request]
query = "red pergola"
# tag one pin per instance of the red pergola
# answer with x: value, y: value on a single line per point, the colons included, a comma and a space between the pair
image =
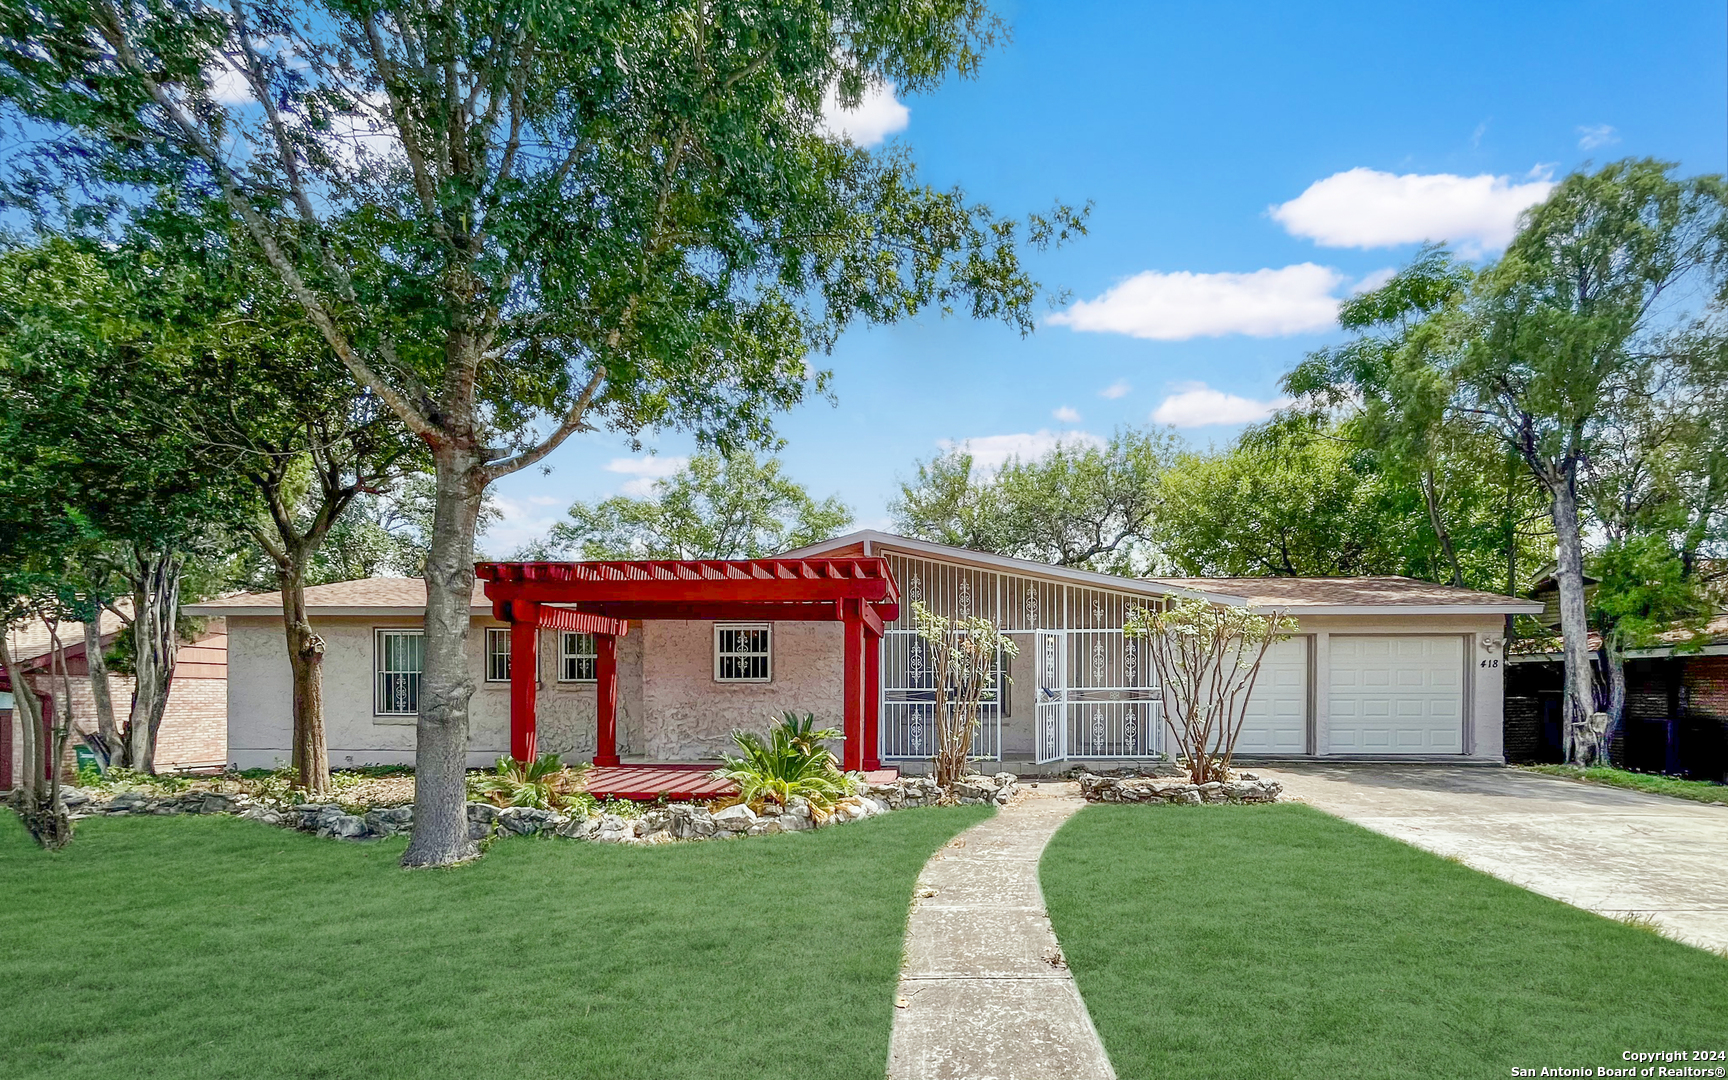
x: 602, y: 598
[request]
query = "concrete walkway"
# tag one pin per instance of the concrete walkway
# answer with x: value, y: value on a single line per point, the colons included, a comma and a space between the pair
x: 1607, y: 850
x: 986, y: 993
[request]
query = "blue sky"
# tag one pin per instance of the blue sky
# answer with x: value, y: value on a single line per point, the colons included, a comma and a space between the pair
x: 1248, y: 164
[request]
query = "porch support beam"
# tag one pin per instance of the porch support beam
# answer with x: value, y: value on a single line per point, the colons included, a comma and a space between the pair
x: 853, y: 711
x: 605, y: 699
x: 524, y: 679
x: 872, y: 701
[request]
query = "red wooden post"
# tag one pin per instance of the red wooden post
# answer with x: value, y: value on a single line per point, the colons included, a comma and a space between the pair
x: 872, y: 701
x: 524, y: 678
x: 853, y: 726
x: 605, y: 699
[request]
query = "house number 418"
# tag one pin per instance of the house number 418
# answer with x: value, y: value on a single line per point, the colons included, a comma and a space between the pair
x: 1491, y: 663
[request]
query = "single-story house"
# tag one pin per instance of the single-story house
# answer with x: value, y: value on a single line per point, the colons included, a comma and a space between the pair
x: 194, y: 731
x: 663, y: 661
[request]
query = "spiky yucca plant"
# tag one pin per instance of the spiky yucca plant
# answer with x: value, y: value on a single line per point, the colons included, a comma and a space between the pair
x: 544, y: 783
x: 790, y: 761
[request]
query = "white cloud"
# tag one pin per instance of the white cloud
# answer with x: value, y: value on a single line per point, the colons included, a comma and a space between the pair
x: 879, y: 114
x: 1067, y: 415
x: 1195, y: 404
x: 228, y: 86
x: 645, y: 471
x: 1592, y: 136
x: 1183, y: 305
x: 991, y: 452
x: 1364, y: 208
x: 520, y: 522
x: 1117, y: 389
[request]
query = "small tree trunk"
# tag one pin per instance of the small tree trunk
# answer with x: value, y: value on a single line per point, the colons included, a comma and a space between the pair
x: 1437, y: 518
x: 311, y: 758
x: 100, y: 692
x: 155, y: 609
x: 441, y: 751
x: 1614, y: 663
x: 1577, y: 738
x: 38, y: 798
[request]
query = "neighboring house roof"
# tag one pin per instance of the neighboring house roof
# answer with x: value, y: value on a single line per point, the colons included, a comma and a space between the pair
x: 1679, y: 641
x: 366, y: 596
x: 1338, y: 595
x: 29, y: 641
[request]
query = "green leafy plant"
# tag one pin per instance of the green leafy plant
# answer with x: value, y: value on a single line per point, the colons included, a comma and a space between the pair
x: 790, y: 762
x: 544, y: 783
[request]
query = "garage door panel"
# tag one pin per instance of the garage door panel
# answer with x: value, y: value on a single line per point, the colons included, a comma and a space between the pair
x: 1276, y: 719
x: 1396, y: 694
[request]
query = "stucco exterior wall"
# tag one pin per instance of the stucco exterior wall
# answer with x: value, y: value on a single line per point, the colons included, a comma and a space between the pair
x: 1484, y: 670
x: 693, y: 716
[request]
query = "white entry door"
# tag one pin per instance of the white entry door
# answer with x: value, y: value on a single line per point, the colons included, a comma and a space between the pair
x: 1396, y: 694
x: 1276, y: 721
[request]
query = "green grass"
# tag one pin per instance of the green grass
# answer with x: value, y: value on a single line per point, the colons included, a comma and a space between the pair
x: 214, y: 947
x: 1279, y: 942
x: 1650, y: 783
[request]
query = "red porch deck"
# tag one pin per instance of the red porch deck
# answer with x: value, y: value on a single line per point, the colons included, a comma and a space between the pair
x: 683, y: 781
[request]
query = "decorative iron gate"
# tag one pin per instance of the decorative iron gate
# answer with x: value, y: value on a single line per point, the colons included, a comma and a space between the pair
x: 908, y: 721
x: 1096, y: 699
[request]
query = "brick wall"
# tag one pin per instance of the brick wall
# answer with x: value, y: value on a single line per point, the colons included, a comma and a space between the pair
x: 1706, y: 683
x: 1525, y: 685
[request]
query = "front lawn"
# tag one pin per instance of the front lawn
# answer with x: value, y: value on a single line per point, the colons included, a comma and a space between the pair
x: 1650, y: 783
x: 1278, y: 941
x: 214, y: 947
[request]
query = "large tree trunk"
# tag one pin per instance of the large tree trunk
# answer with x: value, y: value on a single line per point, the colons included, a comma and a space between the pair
x: 311, y: 758
x: 441, y: 752
x: 156, y: 646
x: 1577, y: 738
x: 100, y: 692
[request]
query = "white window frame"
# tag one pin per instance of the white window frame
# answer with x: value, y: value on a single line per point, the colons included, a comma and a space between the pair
x: 569, y: 657
x: 720, y: 656
x: 495, y: 660
x: 379, y: 651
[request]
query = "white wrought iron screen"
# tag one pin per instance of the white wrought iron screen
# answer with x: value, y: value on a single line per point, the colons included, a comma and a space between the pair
x: 908, y: 722
x: 1096, y: 698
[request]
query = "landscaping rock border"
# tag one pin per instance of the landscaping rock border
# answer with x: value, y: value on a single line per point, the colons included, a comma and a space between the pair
x: 656, y: 824
x: 1242, y: 788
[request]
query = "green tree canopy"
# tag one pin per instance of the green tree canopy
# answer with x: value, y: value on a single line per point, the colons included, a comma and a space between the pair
x: 715, y: 507
x: 515, y: 221
x: 1080, y: 504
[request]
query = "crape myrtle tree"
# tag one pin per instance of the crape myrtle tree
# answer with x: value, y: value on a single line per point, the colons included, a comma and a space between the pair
x: 83, y: 440
x: 515, y: 221
x: 715, y: 507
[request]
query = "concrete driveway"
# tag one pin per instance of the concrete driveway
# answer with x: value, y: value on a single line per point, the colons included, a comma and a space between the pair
x: 1604, y: 849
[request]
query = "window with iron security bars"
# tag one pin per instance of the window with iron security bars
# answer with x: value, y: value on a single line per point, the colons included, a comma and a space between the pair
x: 576, y: 657
x: 399, y: 657
x: 498, y: 654
x: 743, y: 652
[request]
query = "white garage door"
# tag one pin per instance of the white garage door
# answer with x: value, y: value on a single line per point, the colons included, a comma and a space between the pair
x: 1277, y: 717
x: 1396, y: 694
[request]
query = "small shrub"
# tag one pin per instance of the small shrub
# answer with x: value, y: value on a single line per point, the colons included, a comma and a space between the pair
x: 544, y: 783
x: 791, y: 762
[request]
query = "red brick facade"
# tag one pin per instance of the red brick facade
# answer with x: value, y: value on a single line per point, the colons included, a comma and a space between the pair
x: 194, y: 732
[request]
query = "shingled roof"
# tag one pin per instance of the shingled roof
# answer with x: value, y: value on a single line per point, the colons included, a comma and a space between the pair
x: 1308, y: 593
x: 367, y: 596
